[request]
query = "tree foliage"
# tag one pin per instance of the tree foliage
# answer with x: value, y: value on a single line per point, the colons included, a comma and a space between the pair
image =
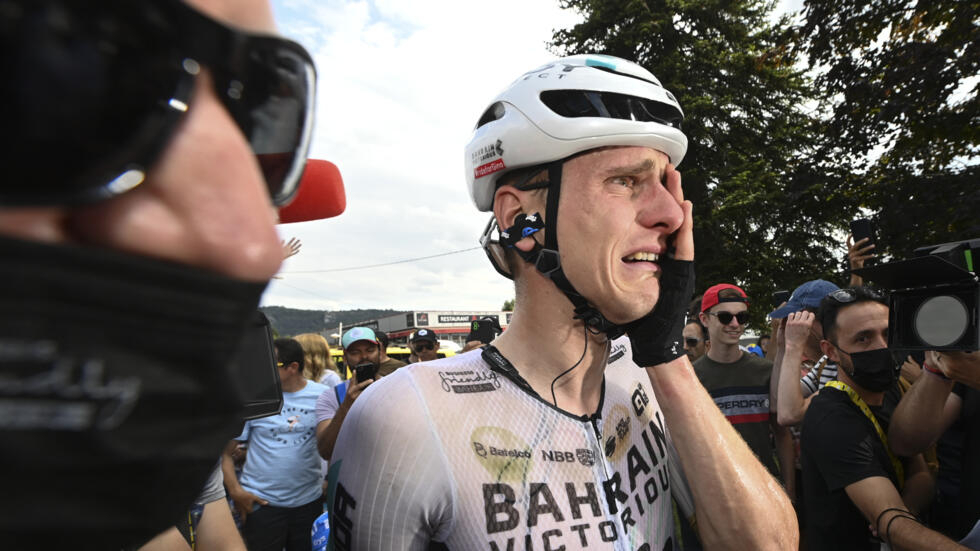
x: 796, y: 129
x: 899, y: 84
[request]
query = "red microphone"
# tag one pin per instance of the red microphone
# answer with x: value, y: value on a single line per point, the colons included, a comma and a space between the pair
x: 320, y: 195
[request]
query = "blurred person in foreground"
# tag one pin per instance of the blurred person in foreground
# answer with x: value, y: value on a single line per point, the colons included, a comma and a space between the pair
x: 144, y: 146
x: 858, y: 493
x: 561, y: 432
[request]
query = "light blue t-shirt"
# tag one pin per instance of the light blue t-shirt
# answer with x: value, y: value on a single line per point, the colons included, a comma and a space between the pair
x: 282, y: 465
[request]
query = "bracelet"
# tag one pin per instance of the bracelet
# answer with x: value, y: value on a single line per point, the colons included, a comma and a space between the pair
x: 935, y: 371
x: 888, y: 527
x: 881, y: 514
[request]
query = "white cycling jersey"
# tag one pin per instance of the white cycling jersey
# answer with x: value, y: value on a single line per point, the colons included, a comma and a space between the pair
x: 455, y: 454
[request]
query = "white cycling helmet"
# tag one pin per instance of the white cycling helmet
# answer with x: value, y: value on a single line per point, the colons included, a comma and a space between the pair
x: 571, y: 105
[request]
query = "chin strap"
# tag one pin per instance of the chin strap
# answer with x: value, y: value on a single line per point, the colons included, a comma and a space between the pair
x: 546, y: 258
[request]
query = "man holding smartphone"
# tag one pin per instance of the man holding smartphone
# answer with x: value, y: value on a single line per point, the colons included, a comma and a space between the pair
x: 362, y: 355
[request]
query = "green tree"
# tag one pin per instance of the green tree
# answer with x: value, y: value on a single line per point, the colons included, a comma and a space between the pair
x: 508, y: 306
x: 753, y: 171
x: 900, y: 91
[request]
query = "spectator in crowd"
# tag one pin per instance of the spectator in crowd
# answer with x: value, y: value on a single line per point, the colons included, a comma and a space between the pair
x: 857, y: 254
x: 799, y: 351
x: 279, y: 494
x: 911, y: 370
x: 739, y: 381
x: 388, y: 365
x: 362, y: 355
x: 553, y: 435
x: 425, y: 345
x: 136, y: 258
x: 317, y: 364
x: 851, y: 478
x: 948, y: 392
x: 695, y: 337
x: 764, y: 344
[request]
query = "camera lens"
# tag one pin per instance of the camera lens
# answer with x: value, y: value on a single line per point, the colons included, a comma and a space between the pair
x: 941, y: 320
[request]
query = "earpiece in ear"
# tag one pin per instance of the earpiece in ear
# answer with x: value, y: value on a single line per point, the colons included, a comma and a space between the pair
x: 525, y: 225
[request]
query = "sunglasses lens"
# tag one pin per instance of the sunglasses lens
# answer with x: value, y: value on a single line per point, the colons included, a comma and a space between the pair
x: 726, y: 317
x: 274, y: 109
x: 88, y: 98
x: 691, y: 342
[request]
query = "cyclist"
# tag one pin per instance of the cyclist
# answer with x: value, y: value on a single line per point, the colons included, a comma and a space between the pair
x: 551, y: 436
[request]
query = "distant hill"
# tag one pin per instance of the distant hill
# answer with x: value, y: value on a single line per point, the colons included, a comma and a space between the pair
x: 290, y: 321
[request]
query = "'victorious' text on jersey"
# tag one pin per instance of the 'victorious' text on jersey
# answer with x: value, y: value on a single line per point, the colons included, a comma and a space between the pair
x: 451, y: 454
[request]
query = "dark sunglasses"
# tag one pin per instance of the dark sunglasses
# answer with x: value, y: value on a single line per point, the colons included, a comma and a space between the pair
x: 692, y: 342
x: 847, y: 296
x: 726, y: 317
x: 424, y: 346
x: 94, y: 91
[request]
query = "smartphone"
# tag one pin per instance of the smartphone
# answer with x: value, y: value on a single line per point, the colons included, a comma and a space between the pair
x: 780, y: 297
x: 365, y: 371
x: 861, y: 228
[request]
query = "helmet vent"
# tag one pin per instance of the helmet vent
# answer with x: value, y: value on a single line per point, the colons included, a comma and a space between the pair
x: 494, y: 112
x: 610, y: 105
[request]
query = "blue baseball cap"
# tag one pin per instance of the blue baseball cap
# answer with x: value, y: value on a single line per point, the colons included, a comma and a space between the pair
x: 358, y: 334
x: 807, y: 295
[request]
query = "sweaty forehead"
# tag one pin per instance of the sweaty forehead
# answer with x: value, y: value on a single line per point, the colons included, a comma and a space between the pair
x: 250, y: 15
x: 612, y: 160
x: 866, y: 316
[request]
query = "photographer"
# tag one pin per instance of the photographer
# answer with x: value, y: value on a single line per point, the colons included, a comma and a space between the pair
x: 947, y: 392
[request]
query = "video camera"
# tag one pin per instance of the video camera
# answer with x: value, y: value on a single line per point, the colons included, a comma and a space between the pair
x: 934, y: 297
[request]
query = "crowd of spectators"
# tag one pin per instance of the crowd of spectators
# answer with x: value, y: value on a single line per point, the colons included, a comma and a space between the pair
x: 853, y: 439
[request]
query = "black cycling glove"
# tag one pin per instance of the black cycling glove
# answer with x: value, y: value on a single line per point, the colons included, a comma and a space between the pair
x: 656, y: 337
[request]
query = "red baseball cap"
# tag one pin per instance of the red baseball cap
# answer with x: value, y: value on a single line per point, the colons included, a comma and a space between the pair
x: 713, y: 296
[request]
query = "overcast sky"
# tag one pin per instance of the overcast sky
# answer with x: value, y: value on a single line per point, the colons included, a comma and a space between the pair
x: 401, y: 85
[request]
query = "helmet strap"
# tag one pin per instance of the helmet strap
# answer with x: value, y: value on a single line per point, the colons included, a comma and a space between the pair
x: 547, y: 260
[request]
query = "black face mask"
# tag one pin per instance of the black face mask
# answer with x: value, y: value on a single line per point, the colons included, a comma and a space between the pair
x: 874, y: 370
x: 116, y: 394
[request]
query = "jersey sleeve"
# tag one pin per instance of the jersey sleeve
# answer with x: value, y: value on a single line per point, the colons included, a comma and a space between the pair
x: 809, y: 383
x: 326, y: 405
x: 390, y: 485
x: 842, y: 448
